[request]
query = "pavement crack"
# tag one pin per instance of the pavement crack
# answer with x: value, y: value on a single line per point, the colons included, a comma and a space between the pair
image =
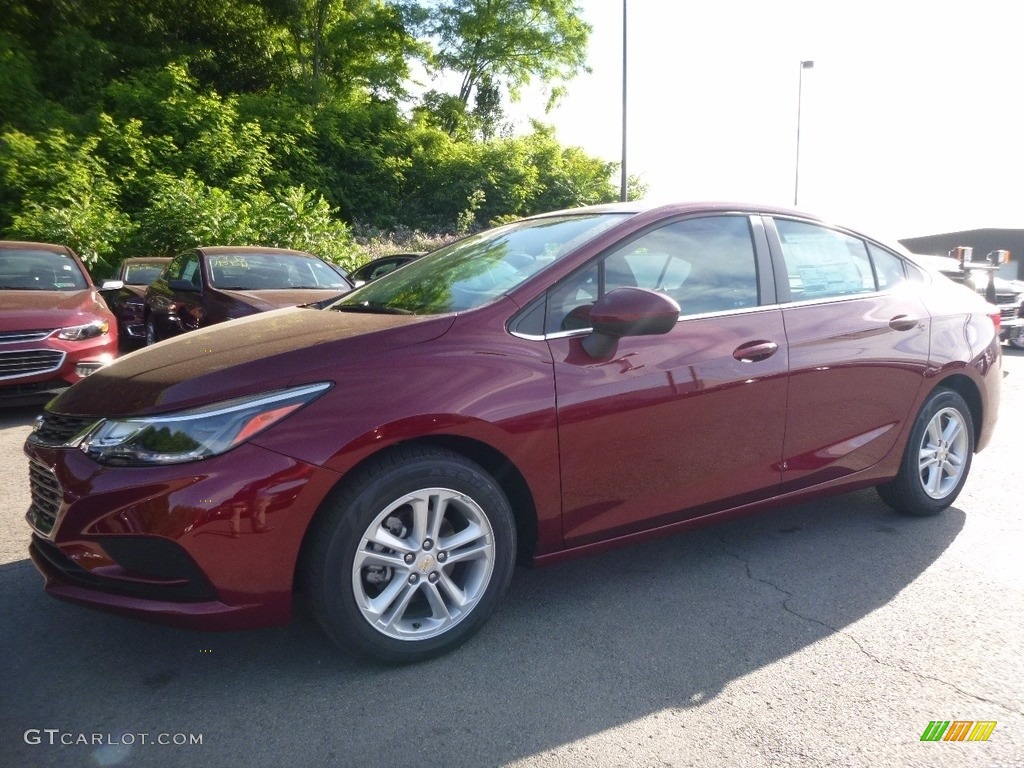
x: 726, y: 548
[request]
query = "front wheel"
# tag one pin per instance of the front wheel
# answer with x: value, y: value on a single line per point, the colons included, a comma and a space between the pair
x: 412, y: 557
x: 937, y: 458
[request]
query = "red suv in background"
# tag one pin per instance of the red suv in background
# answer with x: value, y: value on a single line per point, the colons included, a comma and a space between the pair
x: 55, y: 328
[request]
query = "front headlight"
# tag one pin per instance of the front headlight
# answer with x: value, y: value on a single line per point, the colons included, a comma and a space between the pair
x: 195, y: 434
x: 87, y: 331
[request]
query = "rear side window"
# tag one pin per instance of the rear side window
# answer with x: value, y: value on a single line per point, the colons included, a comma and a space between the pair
x: 890, y: 270
x: 823, y: 263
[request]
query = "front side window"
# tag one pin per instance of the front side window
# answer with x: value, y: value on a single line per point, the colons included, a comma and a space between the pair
x: 706, y: 265
x: 190, y: 271
x: 478, y: 269
x: 177, y: 265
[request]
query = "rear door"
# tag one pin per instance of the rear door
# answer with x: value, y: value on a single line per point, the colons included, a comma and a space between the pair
x: 858, y: 337
x: 679, y: 425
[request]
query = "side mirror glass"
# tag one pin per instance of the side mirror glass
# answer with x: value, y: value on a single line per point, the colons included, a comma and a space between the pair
x: 628, y: 312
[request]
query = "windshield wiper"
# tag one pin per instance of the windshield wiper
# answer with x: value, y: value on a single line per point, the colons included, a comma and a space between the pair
x: 376, y: 309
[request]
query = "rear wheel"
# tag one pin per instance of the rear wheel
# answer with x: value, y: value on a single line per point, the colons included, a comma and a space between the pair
x: 151, y: 338
x: 937, y: 458
x: 412, y: 557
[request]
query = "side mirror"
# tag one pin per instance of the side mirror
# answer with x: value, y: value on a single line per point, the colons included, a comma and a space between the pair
x: 628, y: 312
x: 183, y: 285
x: 112, y: 285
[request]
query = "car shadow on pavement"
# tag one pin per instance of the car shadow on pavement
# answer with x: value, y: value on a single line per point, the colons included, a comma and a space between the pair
x: 574, y: 650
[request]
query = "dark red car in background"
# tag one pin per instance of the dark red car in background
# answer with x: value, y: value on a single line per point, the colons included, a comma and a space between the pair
x: 206, y: 286
x: 125, y: 294
x: 554, y: 387
x: 54, y: 327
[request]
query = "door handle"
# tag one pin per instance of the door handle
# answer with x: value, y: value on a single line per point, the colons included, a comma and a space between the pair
x: 754, y: 351
x: 903, y: 323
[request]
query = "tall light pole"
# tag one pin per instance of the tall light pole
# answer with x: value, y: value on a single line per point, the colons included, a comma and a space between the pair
x: 623, y: 194
x: 799, y: 99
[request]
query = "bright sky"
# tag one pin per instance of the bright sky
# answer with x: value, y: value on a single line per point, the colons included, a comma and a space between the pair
x: 911, y: 117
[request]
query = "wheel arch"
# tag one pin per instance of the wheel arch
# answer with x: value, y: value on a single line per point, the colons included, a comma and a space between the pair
x: 967, y: 389
x: 492, y: 461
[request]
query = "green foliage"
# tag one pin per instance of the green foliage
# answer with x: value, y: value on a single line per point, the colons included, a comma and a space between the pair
x: 150, y: 126
x: 509, y: 42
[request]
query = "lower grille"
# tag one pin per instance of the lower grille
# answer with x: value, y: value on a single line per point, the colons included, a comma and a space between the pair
x: 47, y: 496
x: 29, y: 362
x: 1008, y: 313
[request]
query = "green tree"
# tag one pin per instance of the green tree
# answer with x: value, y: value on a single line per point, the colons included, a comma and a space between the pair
x: 345, y: 45
x: 506, y: 43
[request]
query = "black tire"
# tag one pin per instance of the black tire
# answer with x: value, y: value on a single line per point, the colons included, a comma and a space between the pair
x: 933, y: 471
x: 382, y: 503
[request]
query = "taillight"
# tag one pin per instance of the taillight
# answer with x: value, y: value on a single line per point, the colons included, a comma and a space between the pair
x: 997, y: 320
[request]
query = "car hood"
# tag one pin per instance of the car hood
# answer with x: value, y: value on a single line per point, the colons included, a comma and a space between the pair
x: 39, y: 310
x: 255, y: 354
x: 264, y: 301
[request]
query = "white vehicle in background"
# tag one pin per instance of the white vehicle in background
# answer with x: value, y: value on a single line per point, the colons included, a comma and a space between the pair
x: 979, y: 274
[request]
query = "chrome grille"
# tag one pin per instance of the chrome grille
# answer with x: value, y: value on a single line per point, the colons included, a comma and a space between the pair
x: 47, y: 496
x: 29, y: 362
x: 58, y: 429
x: 13, y: 337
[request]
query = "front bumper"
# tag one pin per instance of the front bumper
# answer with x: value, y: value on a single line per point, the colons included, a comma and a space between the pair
x: 42, y: 369
x: 206, y: 545
x: 1011, y: 329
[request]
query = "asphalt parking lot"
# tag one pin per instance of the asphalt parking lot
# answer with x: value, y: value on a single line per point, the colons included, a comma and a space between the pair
x: 826, y: 634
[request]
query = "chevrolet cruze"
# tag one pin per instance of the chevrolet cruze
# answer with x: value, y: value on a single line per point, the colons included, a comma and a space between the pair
x: 555, y: 387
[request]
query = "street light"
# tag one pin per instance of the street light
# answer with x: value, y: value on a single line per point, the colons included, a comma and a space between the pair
x: 799, y: 99
x: 623, y: 196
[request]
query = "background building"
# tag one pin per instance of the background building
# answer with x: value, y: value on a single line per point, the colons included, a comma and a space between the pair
x: 981, y: 240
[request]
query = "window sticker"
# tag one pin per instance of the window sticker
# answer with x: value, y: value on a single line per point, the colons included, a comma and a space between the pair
x: 233, y: 260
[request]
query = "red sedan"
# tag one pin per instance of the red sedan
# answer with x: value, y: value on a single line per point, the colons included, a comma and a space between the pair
x: 205, y: 286
x: 55, y: 328
x: 554, y: 387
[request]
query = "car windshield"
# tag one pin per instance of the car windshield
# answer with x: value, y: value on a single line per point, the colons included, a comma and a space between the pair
x: 142, y: 274
x: 32, y: 270
x: 478, y: 269
x: 272, y: 271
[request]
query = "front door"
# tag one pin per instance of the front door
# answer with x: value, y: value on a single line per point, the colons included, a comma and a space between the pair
x: 673, y: 426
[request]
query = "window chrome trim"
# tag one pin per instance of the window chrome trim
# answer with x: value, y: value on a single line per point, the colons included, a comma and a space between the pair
x: 682, y: 319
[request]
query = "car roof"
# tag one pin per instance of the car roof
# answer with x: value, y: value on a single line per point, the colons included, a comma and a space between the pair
x: 211, y: 250
x: 682, y: 207
x: 25, y: 245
